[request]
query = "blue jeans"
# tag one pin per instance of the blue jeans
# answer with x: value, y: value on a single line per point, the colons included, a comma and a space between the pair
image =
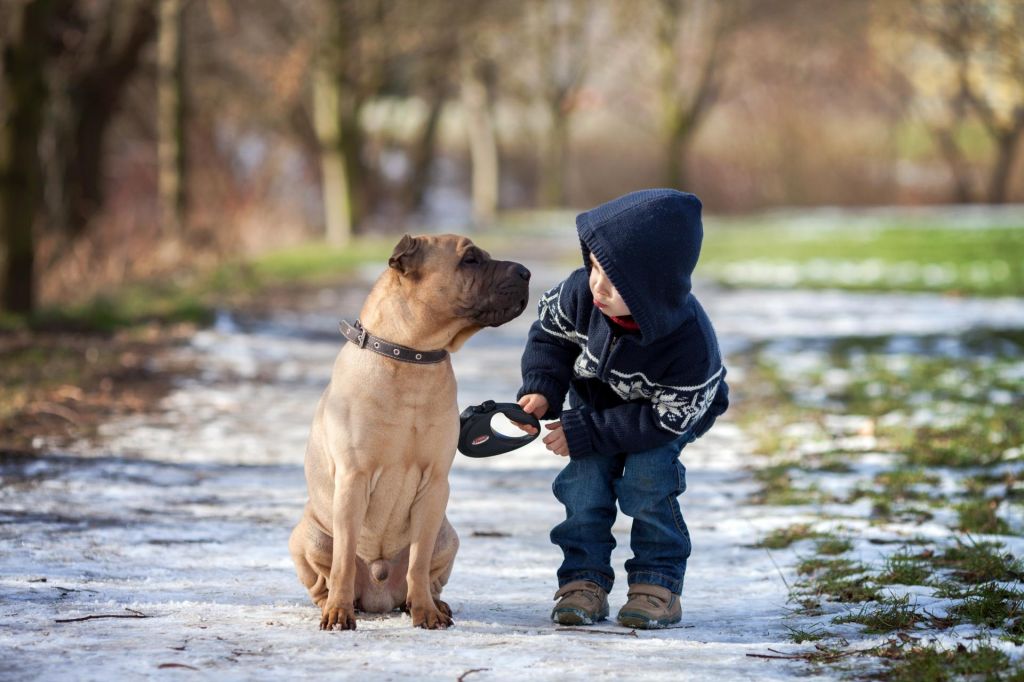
x: 646, y: 485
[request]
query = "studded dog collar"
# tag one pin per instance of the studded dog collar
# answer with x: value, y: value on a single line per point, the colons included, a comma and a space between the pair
x: 358, y: 335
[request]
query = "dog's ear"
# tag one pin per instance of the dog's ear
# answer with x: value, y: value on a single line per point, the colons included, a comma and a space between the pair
x: 405, y: 257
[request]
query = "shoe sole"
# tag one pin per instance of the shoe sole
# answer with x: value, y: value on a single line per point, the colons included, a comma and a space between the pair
x: 642, y: 622
x: 576, y: 617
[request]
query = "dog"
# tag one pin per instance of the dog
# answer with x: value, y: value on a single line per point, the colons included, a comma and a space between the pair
x: 374, y: 536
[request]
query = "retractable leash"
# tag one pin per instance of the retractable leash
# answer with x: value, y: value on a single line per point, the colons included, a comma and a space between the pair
x: 478, y: 439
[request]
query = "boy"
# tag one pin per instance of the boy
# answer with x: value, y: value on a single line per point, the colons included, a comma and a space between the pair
x: 625, y: 338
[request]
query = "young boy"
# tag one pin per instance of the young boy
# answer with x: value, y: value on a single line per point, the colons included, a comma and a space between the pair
x: 629, y: 343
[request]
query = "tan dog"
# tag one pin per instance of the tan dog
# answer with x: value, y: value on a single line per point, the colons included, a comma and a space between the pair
x: 374, y: 535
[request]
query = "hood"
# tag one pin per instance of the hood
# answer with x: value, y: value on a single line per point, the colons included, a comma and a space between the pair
x: 648, y: 243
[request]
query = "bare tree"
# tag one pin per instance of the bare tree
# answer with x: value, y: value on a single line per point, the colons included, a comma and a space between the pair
x: 559, y: 29
x: 171, y: 93
x: 692, y: 38
x: 477, y: 92
x: 97, y: 69
x: 24, y: 94
x: 964, y: 61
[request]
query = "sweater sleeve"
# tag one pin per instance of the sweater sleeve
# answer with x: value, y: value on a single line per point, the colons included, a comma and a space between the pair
x: 641, y: 425
x: 552, y: 347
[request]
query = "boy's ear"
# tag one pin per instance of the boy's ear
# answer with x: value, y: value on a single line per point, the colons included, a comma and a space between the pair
x: 405, y: 257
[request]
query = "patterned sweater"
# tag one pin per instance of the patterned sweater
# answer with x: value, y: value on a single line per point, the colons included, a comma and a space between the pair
x: 630, y: 392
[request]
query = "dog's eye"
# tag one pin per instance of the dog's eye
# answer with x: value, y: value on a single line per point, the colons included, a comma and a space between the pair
x: 471, y: 259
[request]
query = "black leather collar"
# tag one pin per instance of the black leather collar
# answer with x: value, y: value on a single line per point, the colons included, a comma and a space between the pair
x: 364, y: 339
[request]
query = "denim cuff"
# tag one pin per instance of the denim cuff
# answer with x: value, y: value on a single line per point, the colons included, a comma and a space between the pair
x: 602, y: 580
x: 651, y: 578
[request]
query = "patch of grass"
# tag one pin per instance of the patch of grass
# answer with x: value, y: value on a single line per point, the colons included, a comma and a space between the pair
x: 778, y: 489
x: 814, y: 633
x: 974, y: 562
x: 311, y: 263
x: 878, y: 255
x: 192, y: 297
x: 781, y: 538
x: 833, y: 545
x: 901, y: 484
x: 978, y: 515
x: 980, y: 441
x: 836, y: 580
x: 929, y: 664
x: 904, y: 568
x: 895, y: 613
x: 989, y: 604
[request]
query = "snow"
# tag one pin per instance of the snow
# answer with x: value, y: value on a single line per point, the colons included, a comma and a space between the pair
x: 184, y: 517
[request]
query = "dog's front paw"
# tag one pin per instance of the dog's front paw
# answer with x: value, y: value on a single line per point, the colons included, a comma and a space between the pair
x: 338, y: 618
x: 431, y: 617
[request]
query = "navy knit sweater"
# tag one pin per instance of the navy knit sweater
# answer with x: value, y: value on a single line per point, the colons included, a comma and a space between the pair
x: 630, y: 392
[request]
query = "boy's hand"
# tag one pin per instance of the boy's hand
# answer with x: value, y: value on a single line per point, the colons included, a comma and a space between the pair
x: 535, y: 404
x: 555, y: 440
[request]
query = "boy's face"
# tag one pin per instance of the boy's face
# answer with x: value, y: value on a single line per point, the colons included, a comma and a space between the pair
x: 606, y: 298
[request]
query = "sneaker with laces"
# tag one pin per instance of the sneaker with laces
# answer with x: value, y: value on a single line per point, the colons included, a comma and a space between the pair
x: 581, y: 602
x: 649, y: 607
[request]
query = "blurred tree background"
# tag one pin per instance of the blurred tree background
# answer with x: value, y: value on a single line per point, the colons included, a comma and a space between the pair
x: 140, y: 137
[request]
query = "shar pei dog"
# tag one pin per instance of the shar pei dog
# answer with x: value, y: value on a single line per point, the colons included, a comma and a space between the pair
x: 374, y: 536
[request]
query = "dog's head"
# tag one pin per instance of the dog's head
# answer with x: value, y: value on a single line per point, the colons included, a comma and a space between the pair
x: 457, y: 280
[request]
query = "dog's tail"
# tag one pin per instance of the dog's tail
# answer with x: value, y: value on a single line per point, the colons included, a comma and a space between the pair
x: 379, y: 570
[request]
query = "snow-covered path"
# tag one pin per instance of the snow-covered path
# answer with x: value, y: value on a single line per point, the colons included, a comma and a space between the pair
x: 183, y: 517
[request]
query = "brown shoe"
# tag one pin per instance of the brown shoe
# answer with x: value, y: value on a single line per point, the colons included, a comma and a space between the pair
x: 649, y: 607
x: 581, y: 603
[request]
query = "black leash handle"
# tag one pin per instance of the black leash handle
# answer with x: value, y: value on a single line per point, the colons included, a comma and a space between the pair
x: 478, y: 439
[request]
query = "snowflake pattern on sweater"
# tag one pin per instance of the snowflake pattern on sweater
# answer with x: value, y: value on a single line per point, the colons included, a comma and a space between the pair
x: 678, y: 408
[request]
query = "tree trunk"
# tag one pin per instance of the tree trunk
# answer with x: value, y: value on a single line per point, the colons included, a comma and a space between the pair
x: 962, y: 192
x: 483, y: 142
x: 424, y: 151
x: 1006, y: 153
x: 678, y: 133
x: 556, y: 156
x: 337, y: 190
x: 94, y: 97
x: 171, y: 118
x: 24, y: 90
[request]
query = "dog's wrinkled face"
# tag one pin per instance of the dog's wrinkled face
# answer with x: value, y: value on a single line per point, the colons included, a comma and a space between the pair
x: 456, y: 278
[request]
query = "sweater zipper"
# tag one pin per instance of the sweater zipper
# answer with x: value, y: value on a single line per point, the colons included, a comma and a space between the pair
x: 606, y: 370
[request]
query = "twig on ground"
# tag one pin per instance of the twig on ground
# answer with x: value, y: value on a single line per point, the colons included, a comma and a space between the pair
x: 56, y: 410
x: 816, y: 656
x: 132, y: 614
x: 631, y: 633
x: 470, y: 672
x: 176, y: 665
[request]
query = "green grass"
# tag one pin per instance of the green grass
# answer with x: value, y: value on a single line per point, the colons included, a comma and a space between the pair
x: 832, y: 545
x: 989, y: 604
x: 876, y: 254
x: 313, y: 263
x: 904, y: 568
x: 777, y: 488
x: 947, y: 422
x: 815, y: 633
x: 978, y: 515
x: 972, y: 561
x: 888, y: 615
x: 838, y: 580
x: 781, y: 538
x: 192, y: 297
x: 929, y: 664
